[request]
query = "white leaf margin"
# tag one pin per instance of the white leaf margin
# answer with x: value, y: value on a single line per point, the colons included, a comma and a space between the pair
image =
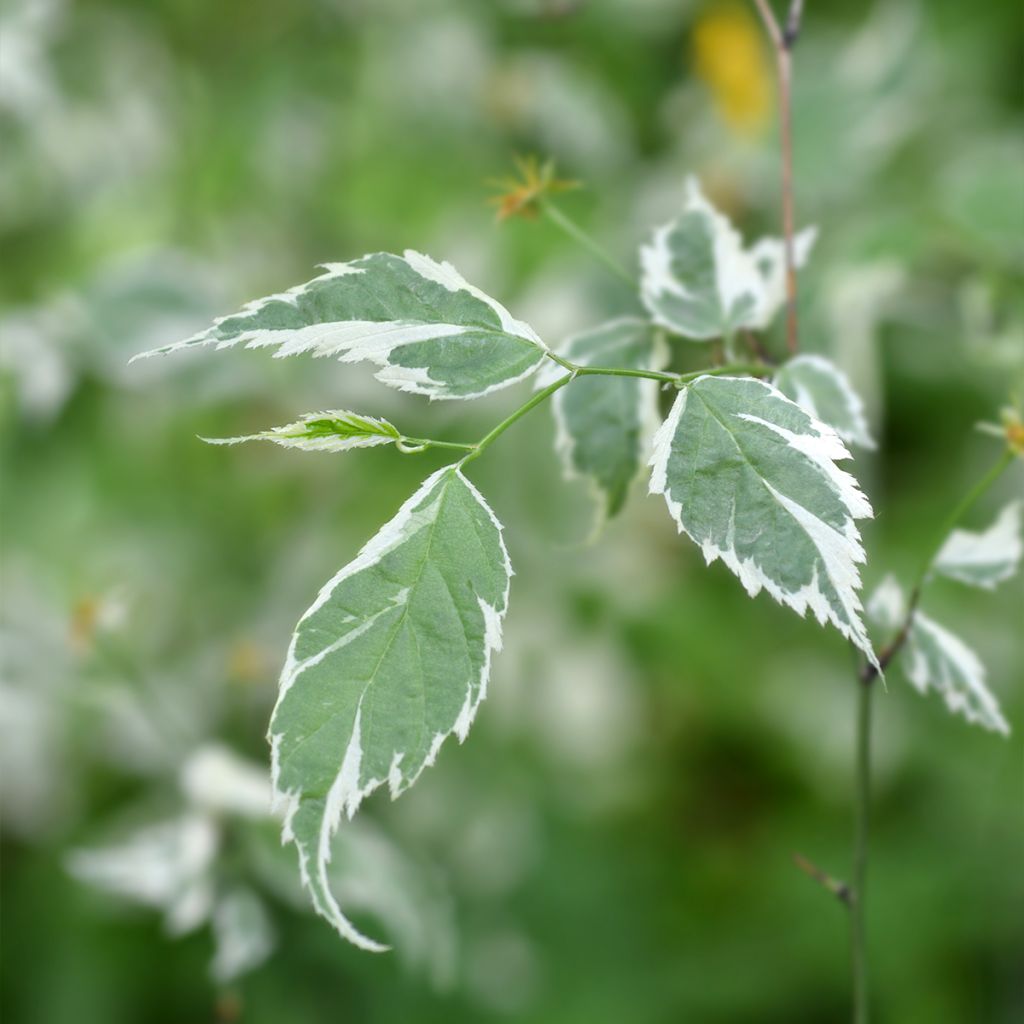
x: 758, y: 272
x: 346, y: 794
x: 958, y: 660
x: 860, y: 432
x: 888, y: 607
x: 840, y: 552
x: 354, y: 341
x: 988, y: 557
x: 387, y: 433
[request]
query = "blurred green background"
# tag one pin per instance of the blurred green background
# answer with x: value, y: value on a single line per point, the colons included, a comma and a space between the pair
x: 613, y: 841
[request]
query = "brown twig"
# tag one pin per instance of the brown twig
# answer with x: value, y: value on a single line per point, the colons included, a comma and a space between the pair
x: 839, y: 889
x: 783, y: 40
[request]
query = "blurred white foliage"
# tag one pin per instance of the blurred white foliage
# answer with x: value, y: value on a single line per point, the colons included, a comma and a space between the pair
x: 243, y: 935
x: 436, y: 65
x: 369, y: 873
x: 37, y: 788
x: 164, y: 865
x: 856, y: 301
x: 33, y: 353
x: 26, y: 79
x: 220, y: 782
x: 992, y: 337
x: 137, y: 300
x: 574, y: 116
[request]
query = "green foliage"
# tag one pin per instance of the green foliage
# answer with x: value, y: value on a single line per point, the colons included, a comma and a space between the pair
x: 751, y: 478
x: 394, y: 654
x: 334, y: 431
x: 391, y: 658
x: 822, y: 389
x: 700, y: 282
x: 603, y: 423
x: 427, y: 329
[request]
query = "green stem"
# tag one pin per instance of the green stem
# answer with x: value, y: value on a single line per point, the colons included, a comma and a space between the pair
x: 577, y: 234
x: 862, y: 796
x: 541, y: 396
x: 730, y: 369
x: 676, y: 379
x: 862, y: 805
x: 414, y: 445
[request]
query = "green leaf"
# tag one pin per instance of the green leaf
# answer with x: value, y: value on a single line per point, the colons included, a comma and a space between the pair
x: 752, y: 478
x: 697, y: 279
x: 334, y: 431
x: 603, y: 422
x: 428, y: 330
x: 819, y: 387
x: 988, y: 557
x: 391, y: 658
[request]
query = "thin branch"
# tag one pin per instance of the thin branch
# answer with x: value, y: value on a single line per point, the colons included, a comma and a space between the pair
x: 837, y: 888
x: 869, y: 673
x: 675, y: 379
x: 861, y: 829
x: 793, y: 21
x: 782, y: 41
x: 867, y: 676
x: 562, y: 220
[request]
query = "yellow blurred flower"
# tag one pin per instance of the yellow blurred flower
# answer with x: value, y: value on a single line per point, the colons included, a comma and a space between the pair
x: 731, y: 57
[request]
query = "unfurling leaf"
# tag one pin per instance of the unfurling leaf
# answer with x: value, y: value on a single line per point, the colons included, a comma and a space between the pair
x: 429, y: 330
x: 818, y: 386
x: 391, y: 658
x: 936, y: 659
x: 752, y: 478
x: 333, y: 431
x: 986, y: 558
x: 699, y: 281
x: 603, y: 422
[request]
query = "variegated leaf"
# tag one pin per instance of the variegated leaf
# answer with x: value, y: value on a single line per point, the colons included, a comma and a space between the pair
x: 699, y: 281
x: 988, y: 557
x: 334, y: 431
x: 391, y: 658
x: 420, y: 321
x: 817, y: 385
x: 752, y: 478
x: 936, y: 659
x: 603, y: 422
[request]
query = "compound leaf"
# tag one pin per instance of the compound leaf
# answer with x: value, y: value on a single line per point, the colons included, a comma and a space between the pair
x: 988, y: 557
x: 420, y: 321
x: 818, y: 386
x: 752, y: 478
x: 697, y: 279
x: 603, y: 422
x: 391, y: 658
x: 334, y: 431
